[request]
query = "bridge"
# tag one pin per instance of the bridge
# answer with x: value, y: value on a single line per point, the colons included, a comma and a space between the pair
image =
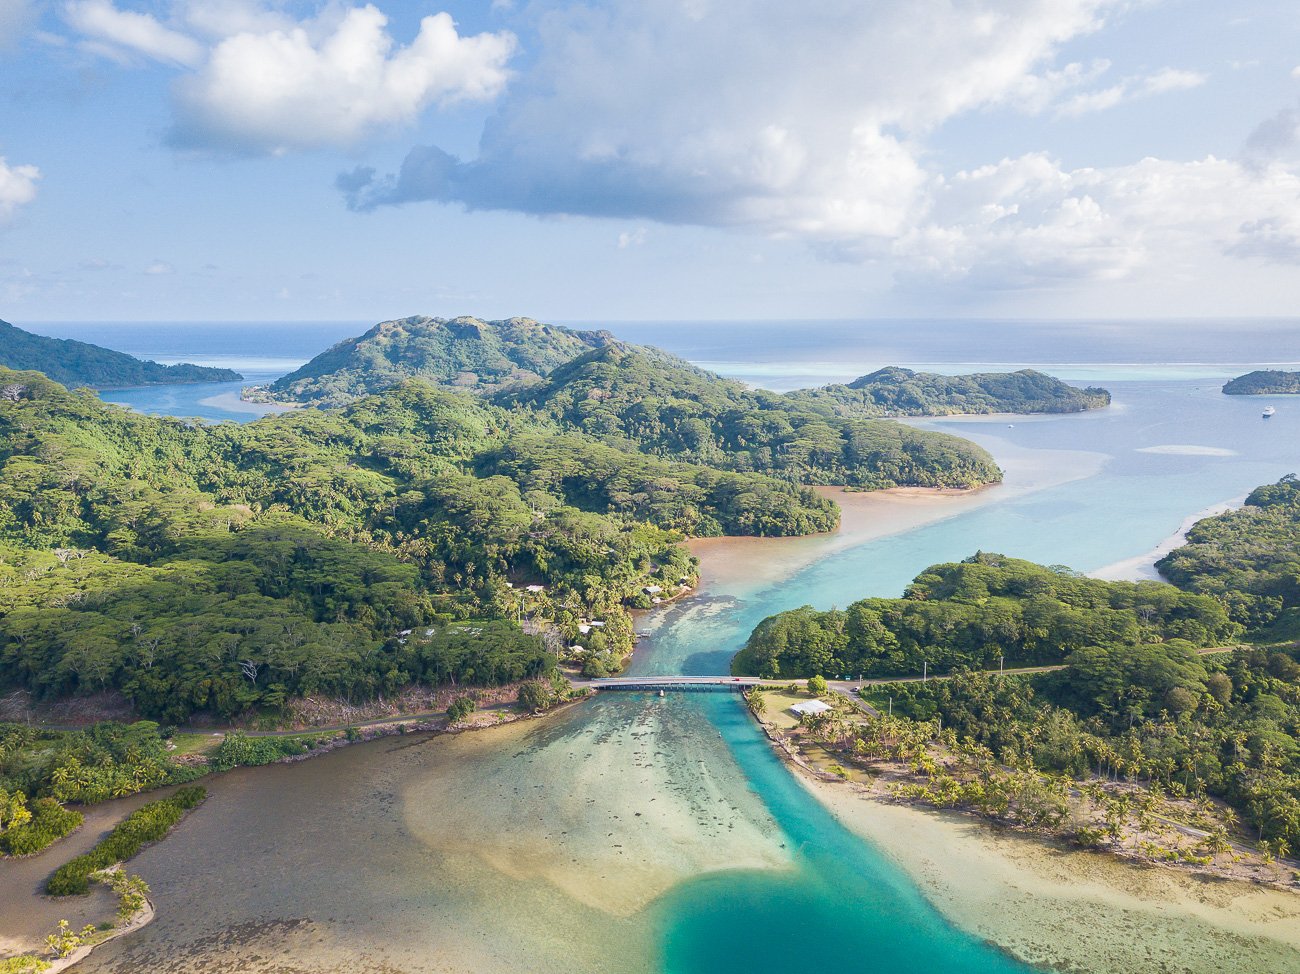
x: 681, y: 683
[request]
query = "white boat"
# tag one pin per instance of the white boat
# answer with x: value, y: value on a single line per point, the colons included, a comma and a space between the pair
x: 1269, y: 411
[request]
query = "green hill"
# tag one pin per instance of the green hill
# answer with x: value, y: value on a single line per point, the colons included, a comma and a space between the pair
x: 74, y: 363
x: 902, y: 392
x: 1265, y: 382
x: 667, y: 407
x: 460, y: 353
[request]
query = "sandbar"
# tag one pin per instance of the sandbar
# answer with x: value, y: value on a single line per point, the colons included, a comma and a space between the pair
x: 867, y: 515
x: 1074, y: 911
x: 231, y: 403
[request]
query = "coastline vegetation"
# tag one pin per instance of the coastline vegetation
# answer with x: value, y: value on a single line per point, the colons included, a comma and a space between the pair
x: 1219, y: 726
x: 666, y: 407
x: 1249, y: 560
x: 401, y: 540
x: 458, y: 353
x: 40, y: 770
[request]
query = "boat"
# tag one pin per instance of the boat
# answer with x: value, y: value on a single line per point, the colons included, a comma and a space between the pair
x: 1269, y: 411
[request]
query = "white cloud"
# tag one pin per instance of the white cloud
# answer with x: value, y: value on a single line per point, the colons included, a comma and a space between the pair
x: 121, y: 33
x: 218, y: 19
x: 1026, y: 221
x: 778, y: 117
x: 17, y: 187
x: 818, y: 123
x: 1035, y: 93
x: 1170, y: 79
x: 1295, y: 72
x: 260, y: 81
x: 1146, y: 86
x: 159, y: 268
x: 309, y: 87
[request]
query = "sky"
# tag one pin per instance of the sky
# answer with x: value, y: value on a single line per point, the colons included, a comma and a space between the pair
x: 197, y: 160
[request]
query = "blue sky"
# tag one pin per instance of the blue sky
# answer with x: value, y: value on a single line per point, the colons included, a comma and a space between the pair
x: 252, y: 159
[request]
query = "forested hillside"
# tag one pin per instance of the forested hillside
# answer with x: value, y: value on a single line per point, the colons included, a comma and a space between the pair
x: 222, y: 569
x: 461, y: 353
x: 74, y: 363
x: 902, y: 392
x: 668, y: 407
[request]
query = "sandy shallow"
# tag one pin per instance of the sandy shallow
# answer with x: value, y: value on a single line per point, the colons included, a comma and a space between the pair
x: 231, y: 403
x: 1141, y: 568
x: 611, y: 808
x: 1075, y: 911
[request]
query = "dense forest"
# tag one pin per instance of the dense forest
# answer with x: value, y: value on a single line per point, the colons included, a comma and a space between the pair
x: 665, y: 406
x: 975, y: 613
x: 221, y: 570
x: 460, y: 353
x: 74, y: 363
x: 1264, y: 382
x: 902, y: 392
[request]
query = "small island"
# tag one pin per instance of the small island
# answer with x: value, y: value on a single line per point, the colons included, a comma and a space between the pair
x: 1264, y: 382
x: 79, y: 364
x: 902, y: 392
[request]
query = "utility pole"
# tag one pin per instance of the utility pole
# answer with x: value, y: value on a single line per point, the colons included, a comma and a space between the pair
x: 924, y: 666
x: 1000, y: 659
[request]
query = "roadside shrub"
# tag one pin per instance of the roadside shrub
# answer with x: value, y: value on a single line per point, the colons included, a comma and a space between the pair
x: 239, y: 750
x: 146, y: 824
x: 534, y: 695
x: 460, y: 708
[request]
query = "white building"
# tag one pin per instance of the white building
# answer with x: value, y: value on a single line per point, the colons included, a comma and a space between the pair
x: 811, y: 708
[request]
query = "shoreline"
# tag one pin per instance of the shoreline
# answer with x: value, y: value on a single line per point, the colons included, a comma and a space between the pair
x: 1142, y: 568
x: 1024, y: 892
